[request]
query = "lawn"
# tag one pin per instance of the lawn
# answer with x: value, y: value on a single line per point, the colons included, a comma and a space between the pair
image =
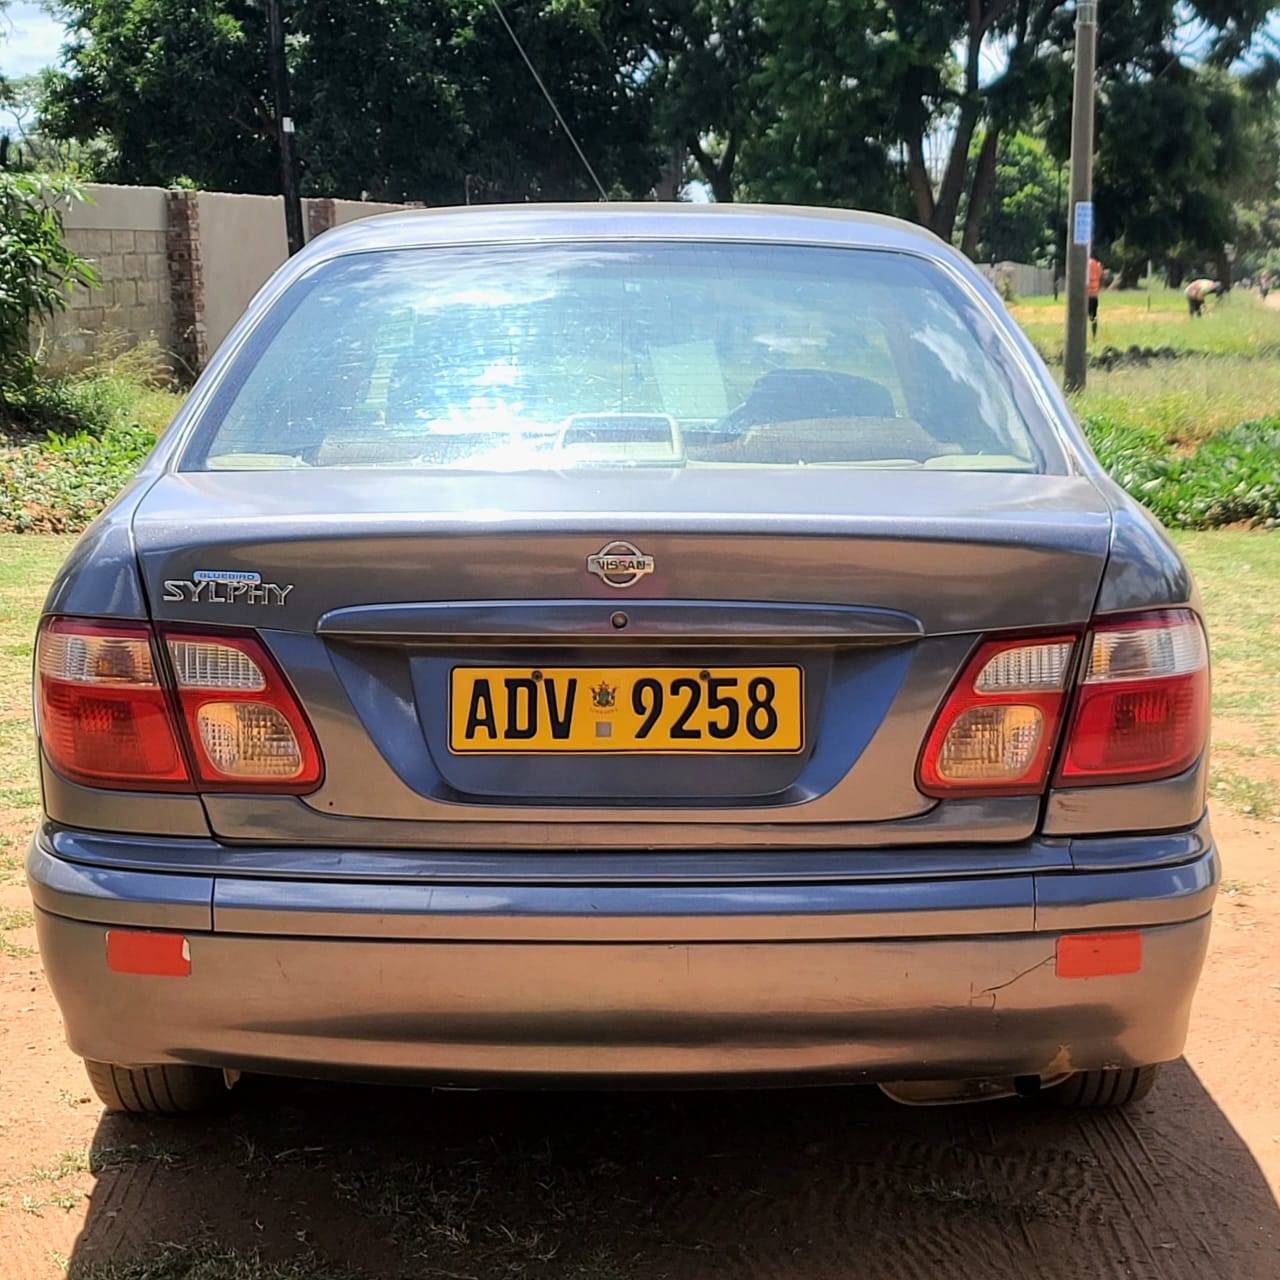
x: 1238, y: 324
x: 1226, y: 370
x: 1238, y: 572
x: 1184, y: 400
x: 26, y: 566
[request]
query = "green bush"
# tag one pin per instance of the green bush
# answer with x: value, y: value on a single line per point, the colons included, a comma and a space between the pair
x: 62, y: 483
x: 37, y: 270
x: 1233, y: 477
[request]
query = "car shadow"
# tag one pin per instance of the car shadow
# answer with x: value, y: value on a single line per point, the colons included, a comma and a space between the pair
x: 311, y: 1181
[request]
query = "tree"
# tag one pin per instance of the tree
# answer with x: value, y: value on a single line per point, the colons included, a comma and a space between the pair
x: 179, y: 86
x: 1178, y: 152
x: 1022, y: 214
x: 857, y: 93
x: 707, y: 55
x: 398, y: 99
x: 827, y: 117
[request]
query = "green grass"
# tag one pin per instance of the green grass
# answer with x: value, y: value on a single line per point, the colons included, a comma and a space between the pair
x: 1238, y: 325
x: 27, y: 565
x: 1184, y: 401
x: 1238, y: 574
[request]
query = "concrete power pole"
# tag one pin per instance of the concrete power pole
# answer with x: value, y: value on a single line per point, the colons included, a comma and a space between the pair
x: 284, y: 127
x: 1080, y: 218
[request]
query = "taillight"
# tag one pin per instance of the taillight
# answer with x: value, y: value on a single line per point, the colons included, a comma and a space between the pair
x: 996, y: 731
x: 1139, y: 712
x: 1141, y: 708
x: 106, y: 716
x: 243, y: 723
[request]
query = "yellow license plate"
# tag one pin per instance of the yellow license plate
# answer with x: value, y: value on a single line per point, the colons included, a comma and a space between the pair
x: 499, y: 710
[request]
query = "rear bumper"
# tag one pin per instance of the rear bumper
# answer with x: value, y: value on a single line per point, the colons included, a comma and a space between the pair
x: 928, y: 978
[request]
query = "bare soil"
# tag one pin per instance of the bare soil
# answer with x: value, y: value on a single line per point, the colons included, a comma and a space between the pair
x: 326, y: 1180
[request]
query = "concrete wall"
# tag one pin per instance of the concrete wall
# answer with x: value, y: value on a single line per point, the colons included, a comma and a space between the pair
x: 1019, y: 279
x: 242, y: 241
x: 123, y: 234
x: 177, y: 267
x: 350, y: 210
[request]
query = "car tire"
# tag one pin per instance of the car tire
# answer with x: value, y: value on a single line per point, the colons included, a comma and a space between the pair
x: 1115, y: 1088
x: 167, y: 1090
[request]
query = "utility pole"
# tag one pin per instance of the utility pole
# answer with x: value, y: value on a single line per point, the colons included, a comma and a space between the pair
x: 1080, y: 222
x: 284, y: 127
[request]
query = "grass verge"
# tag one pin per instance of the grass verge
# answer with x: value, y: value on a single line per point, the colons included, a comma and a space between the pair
x: 1236, y: 325
x: 27, y: 565
x: 1183, y: 401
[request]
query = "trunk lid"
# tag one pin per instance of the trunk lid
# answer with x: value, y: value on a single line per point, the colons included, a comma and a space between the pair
x: 372, y: 586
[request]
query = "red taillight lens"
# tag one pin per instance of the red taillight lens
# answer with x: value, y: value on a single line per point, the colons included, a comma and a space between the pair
x: 1142, y: 706
x: 996, y: 731
x: 245, y: 727
x: 104, y: 717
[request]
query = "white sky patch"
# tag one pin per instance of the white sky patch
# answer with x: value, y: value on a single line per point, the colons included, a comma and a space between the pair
x: 30, y: 39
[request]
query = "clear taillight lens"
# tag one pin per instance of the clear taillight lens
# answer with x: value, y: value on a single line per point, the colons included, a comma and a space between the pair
x: 1023, y: 668
x: 211, y: 664
x: 990, y: 743
x: 995, y: 733
x: 1142, y: 707
x: 248, y: 740
x: 103, y: 716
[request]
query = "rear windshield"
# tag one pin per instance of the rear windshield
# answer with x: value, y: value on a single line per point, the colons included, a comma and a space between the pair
x: 622, y: 355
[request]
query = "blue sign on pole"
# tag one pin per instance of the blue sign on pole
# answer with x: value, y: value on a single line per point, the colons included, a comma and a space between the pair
x: 1082, y: 231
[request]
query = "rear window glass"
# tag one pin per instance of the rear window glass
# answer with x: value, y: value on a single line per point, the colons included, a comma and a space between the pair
x: 622, y: 355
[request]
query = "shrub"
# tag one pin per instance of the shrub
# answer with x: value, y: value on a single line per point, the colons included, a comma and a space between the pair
x: 62, y: 483
x: 37, y: 270
x: 1232, y: 477
x: 85, y: 437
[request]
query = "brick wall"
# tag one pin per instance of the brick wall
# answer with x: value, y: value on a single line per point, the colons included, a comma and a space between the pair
x: 124, y: 237
x: 176, y: 266
x: 184, y: 266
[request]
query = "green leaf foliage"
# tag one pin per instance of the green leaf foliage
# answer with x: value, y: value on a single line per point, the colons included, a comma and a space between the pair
x: 1233, y: 477
x: 37, y: 270
x: 423, y: 100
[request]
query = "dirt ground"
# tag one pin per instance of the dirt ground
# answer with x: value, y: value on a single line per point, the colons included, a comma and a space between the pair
x: 314, y: 1181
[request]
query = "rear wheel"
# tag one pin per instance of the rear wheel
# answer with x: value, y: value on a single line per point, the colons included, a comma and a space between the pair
x: 167, y: 1090
x: 1103, y: 1088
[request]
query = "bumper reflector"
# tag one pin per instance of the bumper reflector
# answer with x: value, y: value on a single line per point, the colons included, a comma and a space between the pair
x: 1098, y: 955
x: 166, y: 955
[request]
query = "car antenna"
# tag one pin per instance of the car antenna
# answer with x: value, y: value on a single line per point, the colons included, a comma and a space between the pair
x: 551, y: 102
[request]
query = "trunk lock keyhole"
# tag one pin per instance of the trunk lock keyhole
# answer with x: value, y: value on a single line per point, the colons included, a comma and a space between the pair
x: 619, y: 620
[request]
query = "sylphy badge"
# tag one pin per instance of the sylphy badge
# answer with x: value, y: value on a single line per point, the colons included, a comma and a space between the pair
x: 225, y: 586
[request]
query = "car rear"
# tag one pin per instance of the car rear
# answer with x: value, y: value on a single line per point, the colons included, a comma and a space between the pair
x: 662, y: 648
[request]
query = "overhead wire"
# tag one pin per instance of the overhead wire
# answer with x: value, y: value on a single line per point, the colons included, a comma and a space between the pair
x: 551, y: 102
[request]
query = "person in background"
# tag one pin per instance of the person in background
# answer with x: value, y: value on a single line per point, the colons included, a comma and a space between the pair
x: 1264, y: 285
x: 1095, y: 288
x: 1198, y: 291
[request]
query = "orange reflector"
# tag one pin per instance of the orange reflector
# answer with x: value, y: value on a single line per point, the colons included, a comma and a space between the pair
x: 1097, y: 955
x: 161, y: 954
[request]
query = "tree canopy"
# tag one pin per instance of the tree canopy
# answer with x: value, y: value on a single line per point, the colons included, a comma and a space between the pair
x: 394, y: 99
x: 954, y: 114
